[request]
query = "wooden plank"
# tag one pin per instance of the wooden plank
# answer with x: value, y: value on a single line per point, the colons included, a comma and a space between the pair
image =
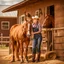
x: 60, y: 52
x: 4, y: 42
x: 59, y: 40
x: 58, y: 36
x: 59, y: 46
x: 47, y: 29
x: 4, y: 37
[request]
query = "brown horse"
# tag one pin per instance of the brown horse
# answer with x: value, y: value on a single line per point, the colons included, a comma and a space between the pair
x: 19, y: 36
x: 49, y: 21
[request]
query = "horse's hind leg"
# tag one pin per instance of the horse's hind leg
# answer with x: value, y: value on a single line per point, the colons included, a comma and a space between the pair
x: 17, y: 51
x: 13, y: 52
x: 21, y: 51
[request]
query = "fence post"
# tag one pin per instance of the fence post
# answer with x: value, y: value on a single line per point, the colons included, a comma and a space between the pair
x: 52, y: 39
x: 1, y: 38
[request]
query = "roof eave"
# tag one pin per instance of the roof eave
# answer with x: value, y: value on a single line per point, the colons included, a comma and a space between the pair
x: 14, y: 7
x: 19, y: 5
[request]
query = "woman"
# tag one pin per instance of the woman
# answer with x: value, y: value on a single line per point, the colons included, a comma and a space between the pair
x: 36, y: 32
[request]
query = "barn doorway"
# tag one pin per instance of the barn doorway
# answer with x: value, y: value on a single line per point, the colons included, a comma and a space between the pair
x: 50, y: 11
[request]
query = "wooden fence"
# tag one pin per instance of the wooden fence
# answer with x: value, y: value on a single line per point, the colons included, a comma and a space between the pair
x: 4, y: 39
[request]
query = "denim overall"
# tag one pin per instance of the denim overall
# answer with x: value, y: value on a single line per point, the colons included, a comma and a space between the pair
x: 36, y: 40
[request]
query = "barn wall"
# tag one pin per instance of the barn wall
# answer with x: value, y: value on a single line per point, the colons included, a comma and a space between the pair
x: 59, y: 21
x: 12, y: 20
x: 59, y: 15
x: 32, y: 8
x: 43, y: 5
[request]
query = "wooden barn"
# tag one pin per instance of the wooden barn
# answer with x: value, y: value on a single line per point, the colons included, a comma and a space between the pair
x: 5, y: 25
x: 6, y: 21
x: 52, y: 7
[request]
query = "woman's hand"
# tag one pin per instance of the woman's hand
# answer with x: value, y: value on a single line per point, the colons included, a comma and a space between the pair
x: 33, y: 33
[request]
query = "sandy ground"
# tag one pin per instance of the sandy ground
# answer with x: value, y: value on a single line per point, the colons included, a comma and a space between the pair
x: 4, y: 52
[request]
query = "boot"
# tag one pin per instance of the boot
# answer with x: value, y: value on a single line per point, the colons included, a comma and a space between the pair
x: 33, y: 57
x: 38, y: 57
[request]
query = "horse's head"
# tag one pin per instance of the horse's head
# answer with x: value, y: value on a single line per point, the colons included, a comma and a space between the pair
x: 49, y: 23
x: 27, y: 25
x: 27, y: 28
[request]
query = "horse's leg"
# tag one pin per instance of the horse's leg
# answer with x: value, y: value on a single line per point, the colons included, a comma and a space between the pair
x: 21, y: 50
x: 26, y: 50
x: 17, y: 51
x: 13, y: 52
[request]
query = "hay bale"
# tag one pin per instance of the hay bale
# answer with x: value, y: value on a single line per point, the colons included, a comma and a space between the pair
x: 51, y: 55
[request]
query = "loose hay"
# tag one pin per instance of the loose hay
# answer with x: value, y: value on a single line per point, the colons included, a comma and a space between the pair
x: 9, y: 57
x: 47, y: 56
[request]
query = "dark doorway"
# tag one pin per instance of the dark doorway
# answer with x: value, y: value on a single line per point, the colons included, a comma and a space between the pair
x: 50, y: 10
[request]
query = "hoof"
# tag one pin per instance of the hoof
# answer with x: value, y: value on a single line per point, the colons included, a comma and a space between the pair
x: 27, y: 61
x: 12, y: 61
x: 37, y: 61
x: 18, y: 60
x: 22, y: 61
x: 33, y: 60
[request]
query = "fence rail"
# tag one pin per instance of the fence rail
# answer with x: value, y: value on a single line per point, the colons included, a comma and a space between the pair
x: 4, y: 39
x: 62, y: 28
x: 4, y: 42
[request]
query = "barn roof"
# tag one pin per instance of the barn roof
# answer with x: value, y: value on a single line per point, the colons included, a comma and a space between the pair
x: 7, y: 14
x: 19, y: 5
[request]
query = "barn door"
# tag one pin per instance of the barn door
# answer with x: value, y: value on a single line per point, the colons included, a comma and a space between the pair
x: 50, y: 11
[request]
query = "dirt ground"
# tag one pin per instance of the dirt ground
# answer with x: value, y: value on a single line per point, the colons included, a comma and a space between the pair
x: 5, y: 52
